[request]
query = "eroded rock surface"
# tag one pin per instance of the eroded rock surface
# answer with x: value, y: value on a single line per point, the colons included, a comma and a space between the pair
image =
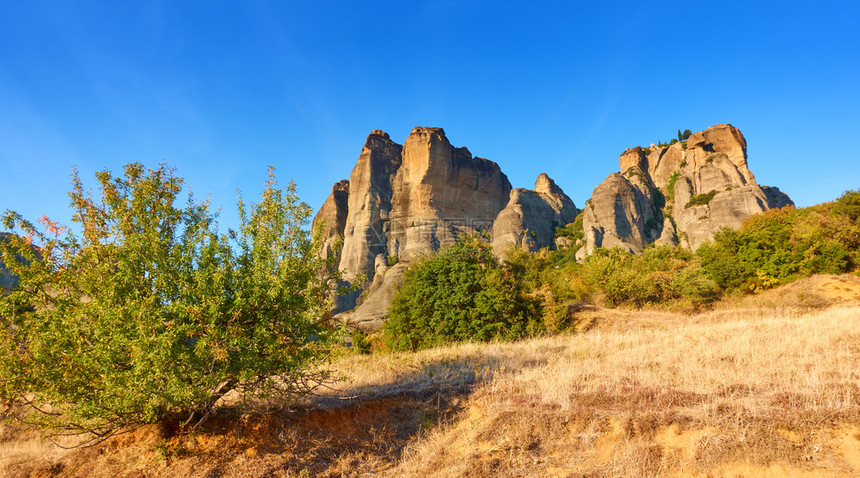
x: 441, y: 193
x: 401, y: 201
x: 369, y: 205
x: 531, y: 217
x: 623, y: 212
x: 373, y: 311
x: 332, y: 216
x: 680, y: 194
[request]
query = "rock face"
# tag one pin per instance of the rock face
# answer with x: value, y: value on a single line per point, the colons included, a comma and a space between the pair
x: 441, y: 193
x: 333, y: 215
x: 369, y: 204
x: 371, y: 314
x: 530, y: 218
x: 623, y: 212
x: 680, y: 194
x: 401, y: 201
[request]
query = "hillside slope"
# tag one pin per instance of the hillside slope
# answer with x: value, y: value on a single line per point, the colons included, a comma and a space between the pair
x: 766, y: 385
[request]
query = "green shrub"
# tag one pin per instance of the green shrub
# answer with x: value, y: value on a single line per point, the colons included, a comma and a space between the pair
x: 659, y: 274
x: 784, y: 244
x: 149, y: 314
x: 554, y: 280
x: 360, y: 343
x: 574, y: 232
x: 670, y: 185
x: 701, y: 199
x: 459, y: 294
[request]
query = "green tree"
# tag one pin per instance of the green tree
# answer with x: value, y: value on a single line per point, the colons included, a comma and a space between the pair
x: 459, y: 294
x: 150, y: 314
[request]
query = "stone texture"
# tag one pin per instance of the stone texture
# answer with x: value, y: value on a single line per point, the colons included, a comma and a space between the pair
x: 625, y: 210
x: 776, y: 198
x: 728, y: 208
x: 369, y: 205
x: 332, y: 216
x: 530, y: 218
x: 405, y: 200
x: 371, y: 314
x: 633, y: 158
x: 441, y: 193
x: 622, y: 213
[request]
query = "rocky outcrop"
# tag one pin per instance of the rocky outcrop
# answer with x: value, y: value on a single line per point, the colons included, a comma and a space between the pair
x: 531, y: 217
x: 332, y: 217
x: 776, y: 198
x: 369, y: 204
x: 680, y: 193
x: 373, y: 311
x: 401, y: 201
x: 623, y: 212
x: 441, y: 193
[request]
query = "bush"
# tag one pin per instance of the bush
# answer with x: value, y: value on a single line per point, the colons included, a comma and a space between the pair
x: 459, y: 294
x: 574, y: 232
x: 149, y: 314
x: 784, y: 244
x: 670, y: 185
x: 701, y: 199
x: 658, y: 275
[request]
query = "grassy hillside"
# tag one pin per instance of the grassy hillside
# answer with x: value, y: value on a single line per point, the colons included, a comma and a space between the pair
x: 762, y: 385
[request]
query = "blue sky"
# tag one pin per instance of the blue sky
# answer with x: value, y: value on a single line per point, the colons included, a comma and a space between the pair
x: 220, y: 90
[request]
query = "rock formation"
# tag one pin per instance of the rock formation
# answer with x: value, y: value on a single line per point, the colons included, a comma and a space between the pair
x: 373, y: 311
x: 677, y: 194
x: 530, y: 218
x: 623, y: 212
x: 369, y: 204
x: 441, y: 193
x: 401, y: 201
x: 333, y: 215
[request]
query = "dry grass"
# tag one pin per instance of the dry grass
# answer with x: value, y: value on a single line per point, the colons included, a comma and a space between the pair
x: 764, y: 386
x: 659, y: 394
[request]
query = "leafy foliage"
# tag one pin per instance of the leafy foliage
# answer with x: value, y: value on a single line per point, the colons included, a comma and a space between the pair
x: 459, y: 294
x: 150, y: 314
x: 670, y: 186
x: 658, y: 275
x: 701, y: 199
x: 784, y: 244
x: 574, y: 232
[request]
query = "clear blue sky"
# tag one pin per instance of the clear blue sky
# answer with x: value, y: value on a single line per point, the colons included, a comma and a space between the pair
x: 222, y: 89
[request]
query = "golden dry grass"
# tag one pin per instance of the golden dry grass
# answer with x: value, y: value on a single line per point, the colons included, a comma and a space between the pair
x: 659, y: 394
x: 763, y: 386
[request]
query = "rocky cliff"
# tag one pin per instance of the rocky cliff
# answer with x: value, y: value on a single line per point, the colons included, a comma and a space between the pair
x: 332, y: 217
x: 441, y: 193
x: 401, y: 201
x: 530, y: 218
x: 677, y: 194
